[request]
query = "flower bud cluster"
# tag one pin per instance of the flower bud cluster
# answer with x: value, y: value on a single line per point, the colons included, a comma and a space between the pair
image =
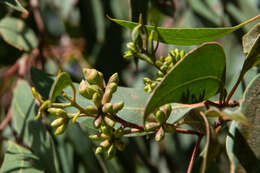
x: 165, y: 64
x: 109, y: 140
x: 62, y: 120
x: 159, y: 124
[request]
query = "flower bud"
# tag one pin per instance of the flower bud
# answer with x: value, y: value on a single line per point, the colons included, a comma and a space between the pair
x: 112, y: 86
x: 160, y: 74
x: 61, y: 129
x: 182, y: 53
x: 97, y: 122
x: 97, y: 100
x: 118, y: 106
x: 111, y: 152
x: 159, y: 135
x: 105, y: 143
x: 91, y: 110
x: 128, y: 54
x: 162, y: 59
x: 58, y: 122
x: 108, y: 108
x: 148, y: 89
x: 131, y: 46
x: 136, y: 33
x: 167, y: 109
x: 114, y: 78
x: 164, y: 68
x: 45, y: 105
x: 107, y: 97
x: 106, y: 130
x: 158, y: 63
x: 161, y: 117
x: 94, y: 77
x: 151, y: 126
x: 109, y: 122
x: 119, y: 133
x: 85, y: 90
x: 95, y: 137
x: 99, y: 150
x: 57, y: 112
x: 168, y: 59
x: 119, y: 145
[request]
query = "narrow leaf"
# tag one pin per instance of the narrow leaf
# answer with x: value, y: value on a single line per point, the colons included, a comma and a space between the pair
x: 17, y: 34
x: 15, y: 4
x: 61, y: 82
x: 186, y: 36
x: 197, y: 77
x: 19, y: 159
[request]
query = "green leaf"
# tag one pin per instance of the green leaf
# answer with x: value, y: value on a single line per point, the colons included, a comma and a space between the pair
x: 61, y: 82
x: 253, y: 57
x: 197, y: 77
x: 186, y: 36
x: 244, y: 142
x: 250, y: 37
x: 15, y: 32
x: 133, y: 98
x: 19, y: 159
x: 30, y: 131
x: 15, y: 4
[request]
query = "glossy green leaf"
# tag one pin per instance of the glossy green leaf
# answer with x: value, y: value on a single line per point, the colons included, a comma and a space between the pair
x: 250, y: 38
x: 187, y: 36
x: 18, y: 159
x: 244, y: 143
x: 30, y: 131
x: 62, y: 81
x: 15, y: 4
x: 15, y: 32
x: 197, y: 77
x: 133, y: 98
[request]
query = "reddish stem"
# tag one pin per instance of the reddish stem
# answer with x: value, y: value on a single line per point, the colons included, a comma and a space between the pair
x: 196, y: 148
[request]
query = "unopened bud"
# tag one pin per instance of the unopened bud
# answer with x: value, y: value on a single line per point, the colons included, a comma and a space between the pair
x: 58, y: 122
x: 97, y: 100
x: 57, y: 112
x: 91, y: 109
x: 108, y: 108
x: 99, y: 150
x: 36, y: 95
x: 118, y: 106
x: 119, y: 133
x: 161, y: 116
x: 114, y: 78
x: 131, y: 46
x: 94, y: 77
x: 106, y: 130
x: 159, y: 135
x: 61, y: 129
x: 112, y: 86
x: 128, y: 54
x: 158, y: 63
x: 107, y: 97
x: 109, y: 122
x: 85, y: 90
x: 167, y: 109
x: 151, y: 126
x: 97, y: 122
x: 105, y: 143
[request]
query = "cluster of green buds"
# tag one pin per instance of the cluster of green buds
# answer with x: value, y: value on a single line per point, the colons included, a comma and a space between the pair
x: 159, y: 123
x: 101, y: 94
x: 164, y: 64
x: 94, y: 88
x: 109, y: 140
x: 62, y: 119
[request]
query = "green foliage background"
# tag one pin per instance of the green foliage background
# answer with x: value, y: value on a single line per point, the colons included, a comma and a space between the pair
x: 68, y: 35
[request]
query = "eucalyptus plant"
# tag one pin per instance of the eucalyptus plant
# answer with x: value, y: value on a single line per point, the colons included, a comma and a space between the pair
x: 187, y: 96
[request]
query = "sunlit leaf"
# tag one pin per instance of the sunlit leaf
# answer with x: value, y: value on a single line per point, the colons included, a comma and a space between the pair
x: 15, y: 32
x: 62, y: 81
x: 186, y: 36
x: 197, y: 77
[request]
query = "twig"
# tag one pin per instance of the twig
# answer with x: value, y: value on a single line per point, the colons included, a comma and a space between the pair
x: 7, y: 119
x: 195, y: 149
x: 128, y: 124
